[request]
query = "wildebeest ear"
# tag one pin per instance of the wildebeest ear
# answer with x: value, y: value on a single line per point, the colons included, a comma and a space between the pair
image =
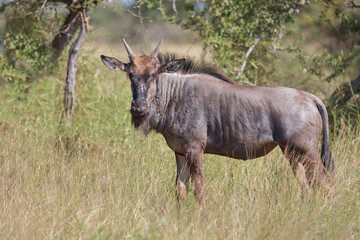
x: 113, y: 63
x: 172, y: 66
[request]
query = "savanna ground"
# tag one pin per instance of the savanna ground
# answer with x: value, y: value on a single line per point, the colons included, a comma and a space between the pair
x: 100, y: 179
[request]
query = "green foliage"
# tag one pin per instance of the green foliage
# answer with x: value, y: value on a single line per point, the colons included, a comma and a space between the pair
x: 10, y: 74
x: 26, y: 58
x: 230, y: 28
x: 26, y: 51
x: 338, y: 28
x: 318, y: 64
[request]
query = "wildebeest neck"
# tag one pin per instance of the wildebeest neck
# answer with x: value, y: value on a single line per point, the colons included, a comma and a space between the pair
x: 163, y: 106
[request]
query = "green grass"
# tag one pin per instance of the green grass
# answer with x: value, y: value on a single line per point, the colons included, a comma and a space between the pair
x: 100, y: 179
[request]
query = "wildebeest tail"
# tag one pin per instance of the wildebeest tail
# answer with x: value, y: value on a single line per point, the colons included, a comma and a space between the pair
x: 326, y: 157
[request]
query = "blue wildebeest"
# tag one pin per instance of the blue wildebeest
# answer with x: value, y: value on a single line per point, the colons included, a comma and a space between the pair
x: 199, y: 110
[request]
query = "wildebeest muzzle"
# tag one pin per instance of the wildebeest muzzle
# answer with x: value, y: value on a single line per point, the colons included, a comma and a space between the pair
x: 138, y: 104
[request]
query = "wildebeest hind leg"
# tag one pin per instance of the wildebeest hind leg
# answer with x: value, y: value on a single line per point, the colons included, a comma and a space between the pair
x: 307, y: 167
x: 316, y: 173
x: 300, y: 174
x: 182, y: 176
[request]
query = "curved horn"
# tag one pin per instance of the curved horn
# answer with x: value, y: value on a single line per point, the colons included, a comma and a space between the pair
x: 128, y: 49
x: 156, y: 51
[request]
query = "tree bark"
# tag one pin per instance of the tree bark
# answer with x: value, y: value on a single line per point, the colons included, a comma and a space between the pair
x: 69, y: 93
x: 70, y: 25
x: 66, y: 33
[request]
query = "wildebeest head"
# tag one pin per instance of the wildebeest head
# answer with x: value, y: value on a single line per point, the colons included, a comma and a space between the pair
x: 142, y: 71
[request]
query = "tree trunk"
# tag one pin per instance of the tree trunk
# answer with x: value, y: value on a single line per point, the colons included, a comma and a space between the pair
x: 66, y: 33
x: 69, y: 94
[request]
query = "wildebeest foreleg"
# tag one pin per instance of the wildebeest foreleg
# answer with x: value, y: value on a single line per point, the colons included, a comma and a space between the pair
x: 194, y: 160
x: 182, y: 176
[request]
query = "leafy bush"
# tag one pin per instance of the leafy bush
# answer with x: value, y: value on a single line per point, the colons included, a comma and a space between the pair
x: 25, y: 57
x: 26, y: 53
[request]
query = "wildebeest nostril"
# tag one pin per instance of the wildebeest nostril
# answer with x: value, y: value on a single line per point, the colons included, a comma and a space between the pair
x: 136, y: 109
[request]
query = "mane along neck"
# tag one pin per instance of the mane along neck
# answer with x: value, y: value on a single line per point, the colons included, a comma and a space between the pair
x: 191, y: 66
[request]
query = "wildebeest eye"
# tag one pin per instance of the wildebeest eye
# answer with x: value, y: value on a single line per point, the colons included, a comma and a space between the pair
x: 130, y: 75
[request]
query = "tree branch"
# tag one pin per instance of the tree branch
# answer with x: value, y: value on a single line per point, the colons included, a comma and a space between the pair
x: 247, y: 54
x: 174, y: 6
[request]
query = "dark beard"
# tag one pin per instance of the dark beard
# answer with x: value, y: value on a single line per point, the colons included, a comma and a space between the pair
x: 150, y: 120
x: 141, y: 123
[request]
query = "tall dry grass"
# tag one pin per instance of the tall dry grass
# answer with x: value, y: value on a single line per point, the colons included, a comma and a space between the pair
x: 100, y: 179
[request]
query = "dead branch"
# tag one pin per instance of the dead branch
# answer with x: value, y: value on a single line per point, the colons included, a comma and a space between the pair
x: 174, y: 6
x: 134, y: 14
x: 247, y: 54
